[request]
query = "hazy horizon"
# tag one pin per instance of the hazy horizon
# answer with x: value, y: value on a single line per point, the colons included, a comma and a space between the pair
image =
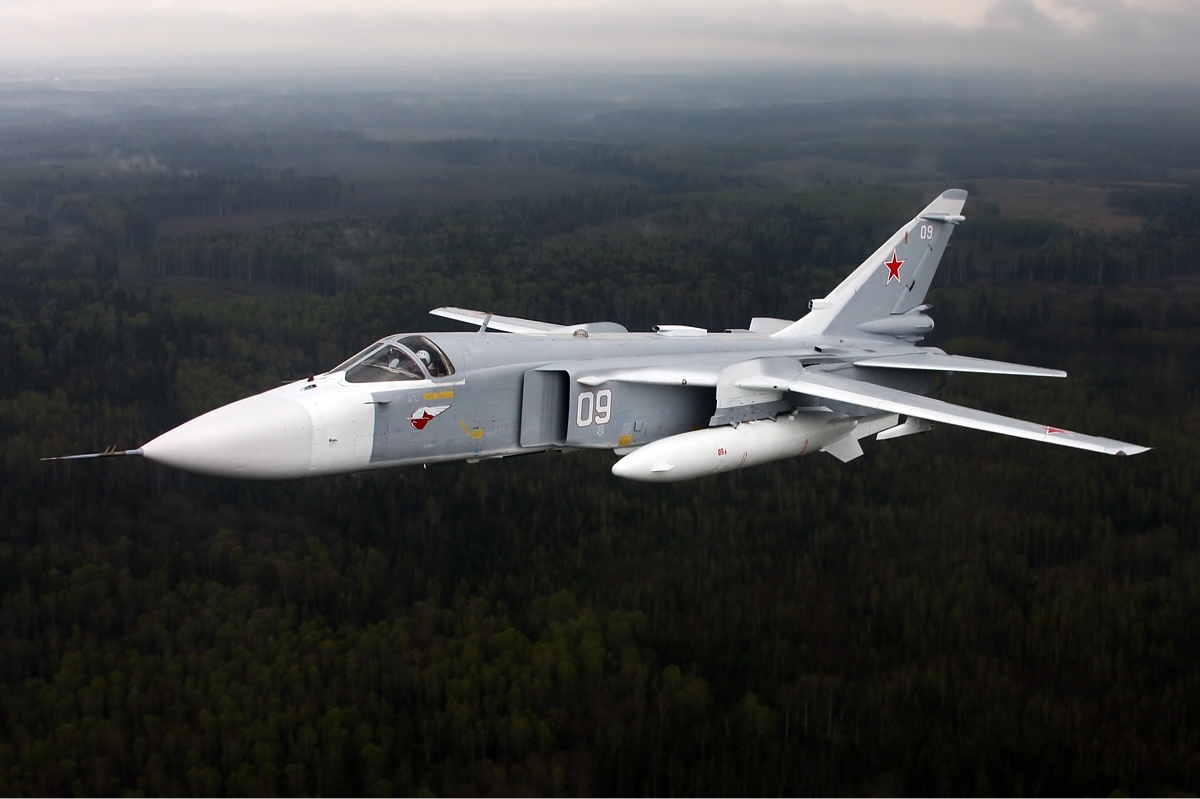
x: 1122, y: 41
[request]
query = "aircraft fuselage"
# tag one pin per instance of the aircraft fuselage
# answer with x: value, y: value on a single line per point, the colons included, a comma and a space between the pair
x: 508, y: 395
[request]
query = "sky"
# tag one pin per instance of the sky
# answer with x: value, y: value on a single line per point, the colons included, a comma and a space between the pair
x: 1125, y: 40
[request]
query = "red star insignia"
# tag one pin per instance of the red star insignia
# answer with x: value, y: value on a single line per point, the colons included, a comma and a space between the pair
x: 893, y: 267
x: 1054, y: 430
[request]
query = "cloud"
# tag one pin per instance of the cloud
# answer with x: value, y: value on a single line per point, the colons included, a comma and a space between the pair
x: 1019, y: 16
x: 1105, y: 39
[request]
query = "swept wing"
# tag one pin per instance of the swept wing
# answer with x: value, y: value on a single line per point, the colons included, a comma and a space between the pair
x: 941, y: 362
x: 839, y: 389
x: 705, y: 372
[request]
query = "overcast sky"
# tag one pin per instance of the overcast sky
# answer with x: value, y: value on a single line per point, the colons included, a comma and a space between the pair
x: 1142, y: 40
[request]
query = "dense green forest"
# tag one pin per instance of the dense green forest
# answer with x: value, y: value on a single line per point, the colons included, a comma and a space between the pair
x: 954, y: 613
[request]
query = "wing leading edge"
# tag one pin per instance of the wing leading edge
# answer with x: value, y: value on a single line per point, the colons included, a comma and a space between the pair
x: 869, y: 395
x: 941, y: 362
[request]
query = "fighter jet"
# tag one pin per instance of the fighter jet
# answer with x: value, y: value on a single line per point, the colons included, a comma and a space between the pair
x: 672, y: 404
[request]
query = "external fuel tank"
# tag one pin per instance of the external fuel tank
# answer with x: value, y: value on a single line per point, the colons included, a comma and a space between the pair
x: 725, y: 448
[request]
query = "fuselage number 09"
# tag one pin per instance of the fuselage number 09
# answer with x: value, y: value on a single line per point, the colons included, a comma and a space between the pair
x: 593, y: 408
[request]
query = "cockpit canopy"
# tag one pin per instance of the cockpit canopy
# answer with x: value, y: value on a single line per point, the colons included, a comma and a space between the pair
x: 387, y: 363
x: 411, y: 358
x: 428, y: 353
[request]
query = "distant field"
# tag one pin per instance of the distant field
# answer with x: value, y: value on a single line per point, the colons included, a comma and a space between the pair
x: 1083, y: 206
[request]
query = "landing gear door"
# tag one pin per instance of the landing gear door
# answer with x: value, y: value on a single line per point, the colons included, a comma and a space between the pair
x: 545, y: 402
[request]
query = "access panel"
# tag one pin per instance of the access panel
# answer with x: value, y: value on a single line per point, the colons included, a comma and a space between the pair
x: 544, y: 406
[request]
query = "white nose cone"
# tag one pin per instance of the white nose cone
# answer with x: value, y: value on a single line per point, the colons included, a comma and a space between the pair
x: 265, y: 437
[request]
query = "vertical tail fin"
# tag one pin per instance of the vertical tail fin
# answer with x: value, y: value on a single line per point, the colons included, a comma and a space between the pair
x: 884, y: 295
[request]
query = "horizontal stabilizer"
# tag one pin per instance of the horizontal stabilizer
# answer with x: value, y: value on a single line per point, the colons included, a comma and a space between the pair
x: 869, y: 395
x: 941, y: 362
x: 528, y: 327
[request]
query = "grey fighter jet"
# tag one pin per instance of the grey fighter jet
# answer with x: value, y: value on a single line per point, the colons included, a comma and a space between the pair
x: 672, y: 404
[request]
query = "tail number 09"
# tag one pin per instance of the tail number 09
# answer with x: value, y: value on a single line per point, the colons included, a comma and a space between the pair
x: 593, y: 408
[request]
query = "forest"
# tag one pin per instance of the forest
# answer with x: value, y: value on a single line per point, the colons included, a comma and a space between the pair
x: 955, y: 613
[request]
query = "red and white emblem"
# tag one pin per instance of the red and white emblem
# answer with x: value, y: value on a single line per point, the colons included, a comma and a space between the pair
x: 893, y: 267
x: 421, y: 416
